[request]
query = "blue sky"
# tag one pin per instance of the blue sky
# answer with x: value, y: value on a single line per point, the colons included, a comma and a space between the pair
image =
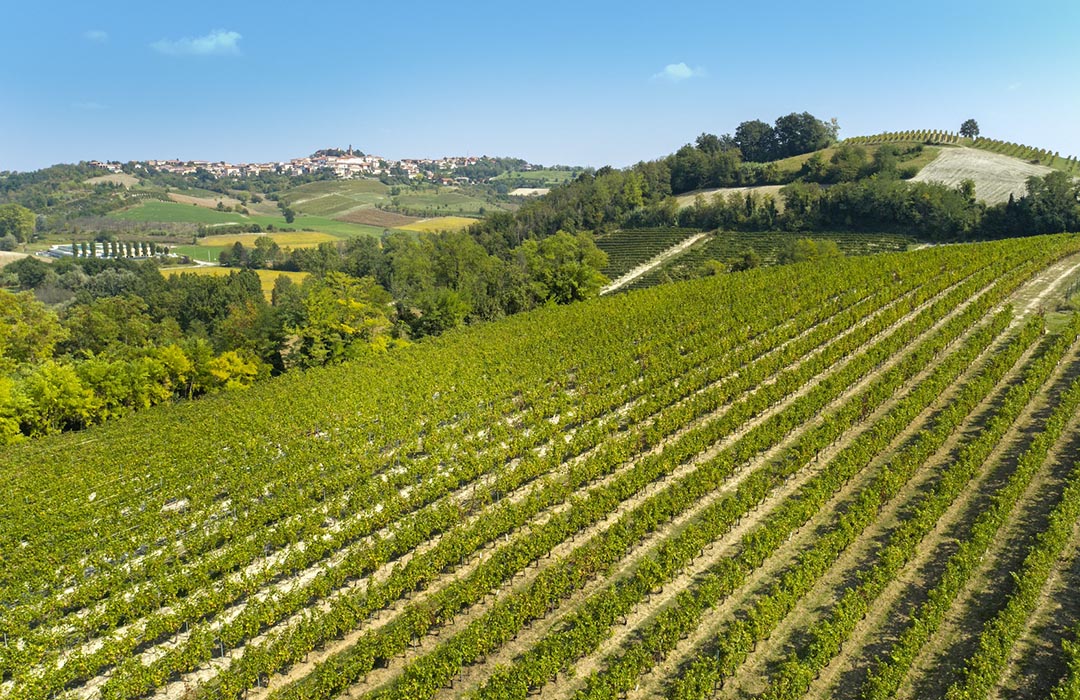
x: 578, y: 82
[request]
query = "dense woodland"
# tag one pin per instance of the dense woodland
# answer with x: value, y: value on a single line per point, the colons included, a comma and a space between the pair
x: 89, y: 339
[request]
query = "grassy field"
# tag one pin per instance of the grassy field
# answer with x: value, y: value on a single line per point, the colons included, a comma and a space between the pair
x: 688, y: 199
x: 852, y: 480
x: 175, y: 212
x: 440, y: 223
x: 210, y: 202
x: 444, y: 201
x: 333, y: 197
x: 537, y: 178
x: 179, y: 213
x: 266, y: 277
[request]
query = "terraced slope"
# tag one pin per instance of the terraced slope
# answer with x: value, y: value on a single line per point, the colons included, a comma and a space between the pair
x: 629, y: 248
x: 797, y: 481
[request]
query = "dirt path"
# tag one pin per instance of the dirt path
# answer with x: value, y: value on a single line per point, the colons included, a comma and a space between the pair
x: 652, y: 264
x: 1055, y: 277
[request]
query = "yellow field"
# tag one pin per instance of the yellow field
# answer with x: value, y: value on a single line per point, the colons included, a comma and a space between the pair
x: 298, y: 239
x: 266, y: 277
x: 440, y: 223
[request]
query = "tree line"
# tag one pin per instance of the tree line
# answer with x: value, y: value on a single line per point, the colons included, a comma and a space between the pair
x: 87, y: 339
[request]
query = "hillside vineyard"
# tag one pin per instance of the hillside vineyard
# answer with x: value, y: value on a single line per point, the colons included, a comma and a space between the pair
x: 851, y: 479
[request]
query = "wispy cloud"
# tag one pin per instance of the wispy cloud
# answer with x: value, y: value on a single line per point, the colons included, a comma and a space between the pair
x: 89, y: 106
x: 98, y: 36
x: 678, y: 72
x: 1015, y: 86
x: 217, y: 43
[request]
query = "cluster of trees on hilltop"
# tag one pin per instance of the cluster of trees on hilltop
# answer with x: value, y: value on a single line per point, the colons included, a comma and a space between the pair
x: 641, y: 195
x: 790, y: 135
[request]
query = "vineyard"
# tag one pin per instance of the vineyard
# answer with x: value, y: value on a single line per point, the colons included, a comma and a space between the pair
x: 1038, y: 156
x: 857, y: 479
x: 728, y: 246
x: 629, y: 248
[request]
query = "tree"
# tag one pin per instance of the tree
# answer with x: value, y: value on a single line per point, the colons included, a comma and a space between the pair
x: 970, y: 129
x: 113, y: 326
x: 801, y: 133
x: 58, y: 400
x: 756, y: 140
x: 344, y: 317
x: 289, y: 214
x: 807, y: 250
x: 564, y: 267
x: 29, y: 331
x: 18, y: 221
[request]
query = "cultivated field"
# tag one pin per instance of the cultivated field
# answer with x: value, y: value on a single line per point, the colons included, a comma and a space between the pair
x: 210, y: 202
x: 800, y: 481
x: 630, y: 248
x: 727, y: 246
x: 996, y: 176
x: 442, y: 201
x: 440, y: 223
x: 115, y: 179
x: 266, y: 277
x: 8, y: 256
x: 297, y: 239
x: 336, y: 197
x: 154, y: 211
x: 378, y: 217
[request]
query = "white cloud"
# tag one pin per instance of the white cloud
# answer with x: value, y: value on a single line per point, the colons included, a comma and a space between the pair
x: 97, y: 36
x: 217, y: 43
x: 678, y: 72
